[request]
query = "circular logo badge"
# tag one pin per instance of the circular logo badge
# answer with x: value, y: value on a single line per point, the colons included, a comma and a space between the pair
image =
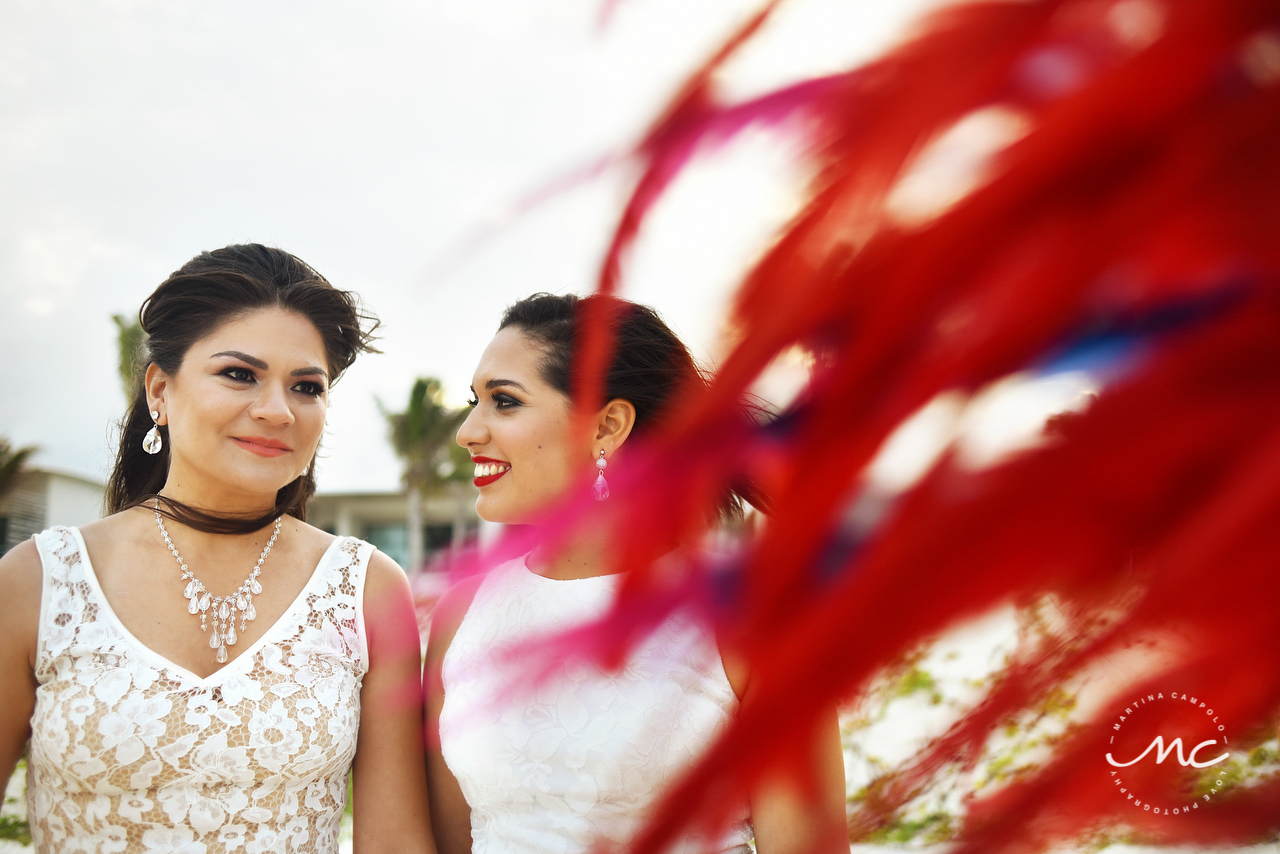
x: 1160, y: 736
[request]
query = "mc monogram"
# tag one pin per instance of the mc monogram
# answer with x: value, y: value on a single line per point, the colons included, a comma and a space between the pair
x: 1193, y: 719
x: 1163, y: 752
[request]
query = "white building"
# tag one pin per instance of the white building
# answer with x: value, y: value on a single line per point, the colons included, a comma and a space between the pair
x: 381, y: 518
x: 45, y: 497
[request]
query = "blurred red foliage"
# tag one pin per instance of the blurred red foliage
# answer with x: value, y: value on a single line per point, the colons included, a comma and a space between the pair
x: 1137, y: 207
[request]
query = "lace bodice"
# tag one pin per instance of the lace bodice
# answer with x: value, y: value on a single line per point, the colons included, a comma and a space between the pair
x: 130, y: 752
x: 577, y: 759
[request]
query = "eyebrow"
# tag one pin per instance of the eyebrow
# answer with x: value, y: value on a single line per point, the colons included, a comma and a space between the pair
x: 309, y: 371
x: 498, y: 383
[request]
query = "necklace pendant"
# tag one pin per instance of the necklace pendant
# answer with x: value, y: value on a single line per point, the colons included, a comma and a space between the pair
x: 221, y: 609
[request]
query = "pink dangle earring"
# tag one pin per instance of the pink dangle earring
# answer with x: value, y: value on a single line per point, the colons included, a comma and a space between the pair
x: 602, y: 485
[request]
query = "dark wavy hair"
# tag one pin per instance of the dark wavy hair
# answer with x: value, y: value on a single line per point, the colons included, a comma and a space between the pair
x: 204, y: 293
x: 650, y: 366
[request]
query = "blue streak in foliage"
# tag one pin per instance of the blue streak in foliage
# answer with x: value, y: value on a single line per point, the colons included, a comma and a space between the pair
x: 1112, y: 347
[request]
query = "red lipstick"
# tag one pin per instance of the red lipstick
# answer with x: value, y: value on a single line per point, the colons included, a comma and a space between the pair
x: 502, y: 467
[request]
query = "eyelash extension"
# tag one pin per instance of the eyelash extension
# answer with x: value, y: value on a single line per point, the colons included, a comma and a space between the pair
x: 500, y: 401
x: 316, y: 390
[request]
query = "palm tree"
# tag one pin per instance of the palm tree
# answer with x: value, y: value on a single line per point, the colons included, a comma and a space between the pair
x: 129, y: 338
x: 422, y: 436
x: 12, y: 465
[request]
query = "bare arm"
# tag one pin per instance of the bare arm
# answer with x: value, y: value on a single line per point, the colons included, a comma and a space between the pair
x: 450, y: 815
x: 786, y: 818
x: 20, y: 583
x: 389, y: 785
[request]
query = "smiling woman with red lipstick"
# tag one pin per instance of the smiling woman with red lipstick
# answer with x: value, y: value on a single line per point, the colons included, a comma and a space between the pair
x: 574, y: 764
x: 200, y: 670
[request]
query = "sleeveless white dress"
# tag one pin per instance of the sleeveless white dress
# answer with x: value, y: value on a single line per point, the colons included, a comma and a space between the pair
x: 130, y: 752
x: 579, y: 758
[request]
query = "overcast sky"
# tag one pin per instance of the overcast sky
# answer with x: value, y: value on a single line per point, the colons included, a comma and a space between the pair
x: 372, y: 139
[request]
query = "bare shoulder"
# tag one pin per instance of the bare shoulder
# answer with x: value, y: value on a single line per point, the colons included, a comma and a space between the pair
x: 21, y: 582
x: 387, y: 595
x: 21, y: 576
x: 123, y: 523
x: 384, y: 574
x: 119, y: 539
x: 315, y: 542
x: 448, y: 614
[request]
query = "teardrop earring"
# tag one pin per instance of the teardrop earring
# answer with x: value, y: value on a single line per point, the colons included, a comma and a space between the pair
x: 602, y: 485
x: 152, y: 443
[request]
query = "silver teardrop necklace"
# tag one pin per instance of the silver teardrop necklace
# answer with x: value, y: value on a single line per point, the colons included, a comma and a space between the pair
x: 222, y: 609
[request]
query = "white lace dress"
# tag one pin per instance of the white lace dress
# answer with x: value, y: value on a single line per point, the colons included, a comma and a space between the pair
x: 579, y: 758
x: 130, y: 752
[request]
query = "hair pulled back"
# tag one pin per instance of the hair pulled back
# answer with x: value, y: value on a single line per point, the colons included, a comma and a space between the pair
x: 651, y: 367
x: 204, y: 293
x: 650, y: 364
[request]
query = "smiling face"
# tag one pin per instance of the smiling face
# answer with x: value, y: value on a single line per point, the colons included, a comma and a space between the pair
x: 245, y: 410
x: 520, y: 433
